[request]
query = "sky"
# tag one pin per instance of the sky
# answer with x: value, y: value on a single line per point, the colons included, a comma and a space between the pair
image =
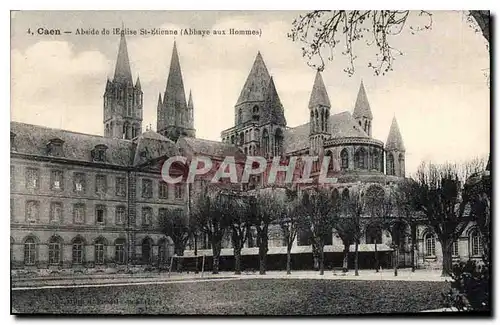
x: 437, y: 90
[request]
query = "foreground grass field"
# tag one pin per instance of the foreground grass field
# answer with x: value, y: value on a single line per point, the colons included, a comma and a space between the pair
x: 238, y: 297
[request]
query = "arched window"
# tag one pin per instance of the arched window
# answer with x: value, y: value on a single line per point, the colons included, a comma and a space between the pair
x: 255, y: 113
x: 475, y: 243
x: 99, y: 251
x: 146, y: 251
x: 78, y: 250
x: 311, y: 123
x: 30, y: 251
x: 106, y: 130
x: 430, y: 245
x: 344, y: 157
x: 390, y: 164
x: 55, y: 250
x: 278, y: 142
x: 360, y: 158
x: 265, y: 142
x: 242, y: 138
x: 345, y: 194
x: 120, y: 251
x: 240, y: 115
x: 401, y: 160
x: 232, y: 139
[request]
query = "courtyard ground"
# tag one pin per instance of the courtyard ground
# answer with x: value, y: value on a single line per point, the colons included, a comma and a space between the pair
x: 302, y: 293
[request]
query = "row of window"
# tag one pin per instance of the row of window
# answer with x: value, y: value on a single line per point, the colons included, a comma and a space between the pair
x: 474, y: 245
x: 101, y: 184
x: 55, y: 246
x: 79, y: 213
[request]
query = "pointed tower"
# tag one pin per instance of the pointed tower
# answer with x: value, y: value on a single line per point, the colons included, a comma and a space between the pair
x: 362, y: 112
x: 319, y: 112
x: 395, y: 151
x: 259, y: 118
x: 122, y: 100
x: 172, y: 120
x: 190, y: 106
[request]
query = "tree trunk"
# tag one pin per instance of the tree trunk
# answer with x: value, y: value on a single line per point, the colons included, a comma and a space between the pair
x: 447, y: 259
x: 321, y: 259
x: 263, y: 254
x: 345, y: 263
x: 179, y: 251
x: 356, y: 259
x: 377, y: 263
x: 396, y: 260
x: 216, y: 247
x: 237, y: 260
x: 315, y: 257
x: 413, y: 246
x: 289, y: 259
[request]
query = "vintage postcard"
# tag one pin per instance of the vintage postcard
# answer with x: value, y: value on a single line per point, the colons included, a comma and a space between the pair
x: 250, y: 162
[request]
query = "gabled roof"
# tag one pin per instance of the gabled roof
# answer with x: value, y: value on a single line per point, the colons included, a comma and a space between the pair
x: 122, y: 68
x: 394, y: 139
x: 209, y: 147
x: 152, y: 146
x: 32, y: 139
x: 256, y: 83
x: 362, y: 106
x: 319, y: 96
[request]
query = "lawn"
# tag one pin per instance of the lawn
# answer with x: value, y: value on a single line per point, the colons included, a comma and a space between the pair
x: 238, y: 297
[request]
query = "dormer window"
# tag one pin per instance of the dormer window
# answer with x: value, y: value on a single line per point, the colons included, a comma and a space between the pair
x: 13, y: 141
x: 99, y: 152
x: 54, y: 147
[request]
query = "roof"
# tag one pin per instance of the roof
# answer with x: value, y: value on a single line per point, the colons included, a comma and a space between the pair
x: 32, y: 139
x: 122, y: 68
x: 209, y: 147
x: 394, y: 139
x: 319, y: 96
x: 256, y: 83
x: 274, y: 111
x: 151, y: 146
x: 362, y: 106
x: 342, y: 125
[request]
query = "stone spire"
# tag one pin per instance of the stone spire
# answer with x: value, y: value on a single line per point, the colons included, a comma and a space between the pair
x: 319, y: 96
x: 256, y: 83
x: 138, y: 83
x: 274, y: 108
x: 190, y: 111
x: 190, y: 101
x: 122, y: 68
x: 362, y: 106
x: 394, y: 139
x: 174, y: 98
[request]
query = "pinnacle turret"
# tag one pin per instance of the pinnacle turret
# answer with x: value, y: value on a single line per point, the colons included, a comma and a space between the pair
x: 362, y: 106
x: 319, y: 96
x: 394, y: 139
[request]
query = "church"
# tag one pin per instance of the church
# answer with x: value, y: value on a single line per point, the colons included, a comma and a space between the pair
x: 84, y: 203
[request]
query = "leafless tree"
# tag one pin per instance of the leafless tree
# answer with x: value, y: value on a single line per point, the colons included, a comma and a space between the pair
x: 210, y: 212
x: 321, y: 210
x: 438, y: 198
x: 176, y: 225
x: 325, y: 32
x: 348, y: 225
x: 290, y: 223
x: 239, y: 214
x: 268, y: 206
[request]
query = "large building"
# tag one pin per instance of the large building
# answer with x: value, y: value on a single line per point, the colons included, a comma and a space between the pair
x: 88, y: 203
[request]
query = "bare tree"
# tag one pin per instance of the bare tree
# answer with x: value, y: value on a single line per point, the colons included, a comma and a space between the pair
x: 324, y: 33
x: 175, y: 224
x: 290, y: 224
x: 321, y: 210
x: 349, y: 223
x: 438, y: 197
x: 406, y: 213
x: 239, y: 215
x: 268, y: 206
x: 210, y: 212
